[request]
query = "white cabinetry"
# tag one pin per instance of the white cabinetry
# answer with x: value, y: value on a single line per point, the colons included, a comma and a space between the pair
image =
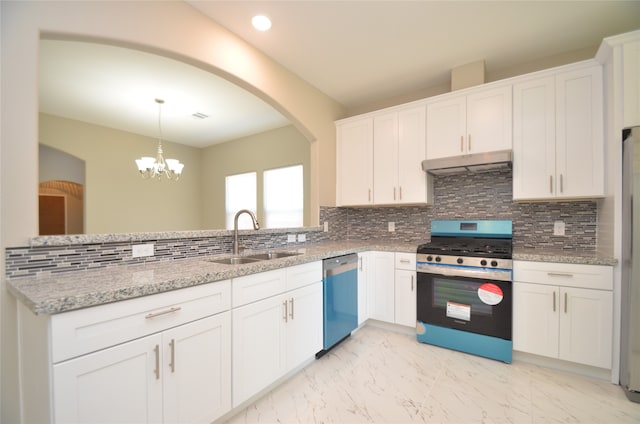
x: 379, y: 159
x: 564, y: 311
x: 405, y: 289
x: 354, y: 170
x: 399, y: 144
x: 558, y: 144
x: 631, y: 82
x: 381, y: 286
x: 145, y: 360
x: 478, y: 122
x: 277, y: 325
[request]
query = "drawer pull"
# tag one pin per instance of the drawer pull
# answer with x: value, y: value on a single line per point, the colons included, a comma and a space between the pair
x: 412, y: 283
x: 565, y: 302
x: 291, y: 313
x: 559, y: 274
x: 285, y: 311
x: 554, y: 301
x: 405, y: 261
x: 168, y: 311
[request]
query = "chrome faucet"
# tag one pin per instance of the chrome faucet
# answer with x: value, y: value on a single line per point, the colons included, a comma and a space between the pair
x: 256, y: 226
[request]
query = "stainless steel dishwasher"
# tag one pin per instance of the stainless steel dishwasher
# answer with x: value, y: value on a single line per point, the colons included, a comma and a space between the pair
x: 340, y: 305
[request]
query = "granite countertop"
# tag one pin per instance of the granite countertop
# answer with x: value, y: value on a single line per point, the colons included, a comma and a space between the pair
x: 56, y: 293
x: 562, y: 256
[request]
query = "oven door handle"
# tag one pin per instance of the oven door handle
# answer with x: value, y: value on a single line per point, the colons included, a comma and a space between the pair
x: 454, y: 271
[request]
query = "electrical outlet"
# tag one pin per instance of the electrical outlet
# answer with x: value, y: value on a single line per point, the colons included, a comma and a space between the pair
x: 558, y: 228
x: 140, y: 250
x: 326, y: 226
x: 291, y: 238
x: 302, y: 237
x: 392, y: 227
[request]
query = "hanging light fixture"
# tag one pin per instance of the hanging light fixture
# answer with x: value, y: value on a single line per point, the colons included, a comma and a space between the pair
x: 157, y: 167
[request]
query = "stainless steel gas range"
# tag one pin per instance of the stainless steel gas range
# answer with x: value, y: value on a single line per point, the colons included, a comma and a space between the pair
x: 464, y: 290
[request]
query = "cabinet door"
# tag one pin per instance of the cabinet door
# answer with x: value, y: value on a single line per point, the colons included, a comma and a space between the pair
x: 363, y: 287
x: 355, y: 163
x: 304, y: 324
x: 534, y: 139
x: 579, y: 133
x: 535, y: 318
x: 122, y: 384
x: 381, y: 286
x: 258, y: 346
x: 586, y: 321
x: 412, y: 144
x: 489, y: 123
x: 631, y: 83
x: 197, y: 370
x: 446, y: 128
x: 385, y: 159
x: 405, y: 298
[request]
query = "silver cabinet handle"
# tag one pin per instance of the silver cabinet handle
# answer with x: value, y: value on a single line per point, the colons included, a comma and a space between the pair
x: 412, y: 283
x: 561, y: 185
x: 554, y: 301
x: 551, y: 184
x: 156, y: 350
x: 461, y: 143
x: 291, y: 313
x: 559, y: 274
x: 400, y: 192
x: 405, y: 261
x: 168, y: 311
x: 284, y: 317
x: 369, y: 195
x: 394, y: 193
x: 172, y: 364
x: 360, y: 259
x: 469, y: 143
x: 565, y: 302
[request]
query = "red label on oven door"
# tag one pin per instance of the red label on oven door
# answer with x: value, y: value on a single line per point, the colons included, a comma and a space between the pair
x: 490, y: 293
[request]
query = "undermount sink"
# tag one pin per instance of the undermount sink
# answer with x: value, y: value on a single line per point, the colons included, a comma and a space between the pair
x: 236, y: 260
x: 272, y: 255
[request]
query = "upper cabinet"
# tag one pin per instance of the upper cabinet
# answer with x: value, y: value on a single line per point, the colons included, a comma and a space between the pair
x: 558, y: 145
x: 478, y: 122
x: 379, y: 159
x: 354, y: 153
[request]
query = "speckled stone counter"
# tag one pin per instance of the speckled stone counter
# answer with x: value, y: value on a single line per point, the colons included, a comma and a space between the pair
x: 74, y: 290
x: 563, y: 256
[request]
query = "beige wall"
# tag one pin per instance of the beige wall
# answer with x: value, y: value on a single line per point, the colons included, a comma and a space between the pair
x: 172, y: 28
x: 273, y: 149
x: 117, y: 199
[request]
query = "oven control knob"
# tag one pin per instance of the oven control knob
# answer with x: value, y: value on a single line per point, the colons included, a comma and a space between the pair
x: 429, y: 258
x: 483, y: 262
x: 494, y: 263
x: 459, y: 260
x: 438, y: 258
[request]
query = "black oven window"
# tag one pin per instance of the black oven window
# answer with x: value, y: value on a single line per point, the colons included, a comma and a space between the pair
x: 461, y: 292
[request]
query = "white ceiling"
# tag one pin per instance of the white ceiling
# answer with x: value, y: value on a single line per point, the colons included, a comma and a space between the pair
x: 357, y: 52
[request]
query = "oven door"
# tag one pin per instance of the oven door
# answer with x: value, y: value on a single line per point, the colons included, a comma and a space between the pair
x: 475, y: 304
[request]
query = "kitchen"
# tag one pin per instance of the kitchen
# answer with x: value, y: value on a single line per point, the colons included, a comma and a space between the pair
x: 15, y: 201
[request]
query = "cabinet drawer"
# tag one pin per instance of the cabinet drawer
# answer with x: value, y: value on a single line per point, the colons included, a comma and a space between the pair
x: 598, y: 277
x: 251, y: 288
x: 406, y: 261
x: 303, y: 275
x: 87, y: 330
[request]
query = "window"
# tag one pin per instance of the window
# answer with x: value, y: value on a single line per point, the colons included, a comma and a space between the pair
x: 240, y: 192
x: 283, y: 197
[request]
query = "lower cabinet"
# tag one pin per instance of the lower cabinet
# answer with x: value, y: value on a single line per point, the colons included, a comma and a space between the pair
x: 405, y: 289
x: 553, y: 319
x: 274, y: 336
x: 179, y: 375
x: 381, y: 287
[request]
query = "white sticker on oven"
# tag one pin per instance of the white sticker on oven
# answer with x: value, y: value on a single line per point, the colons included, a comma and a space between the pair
x: 459, y: 311
x: 490, y: 293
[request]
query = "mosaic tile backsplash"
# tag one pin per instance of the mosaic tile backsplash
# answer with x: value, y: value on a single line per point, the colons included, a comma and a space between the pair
x: 472, y: 196
x: 466, y: 196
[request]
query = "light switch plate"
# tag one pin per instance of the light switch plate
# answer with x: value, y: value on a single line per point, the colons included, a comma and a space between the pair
x: 558, y: 228
x: 141, y: 250
x: 326, y: 226
x: 392, y: 227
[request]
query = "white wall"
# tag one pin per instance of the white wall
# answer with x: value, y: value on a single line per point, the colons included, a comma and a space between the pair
x: 167, y: 27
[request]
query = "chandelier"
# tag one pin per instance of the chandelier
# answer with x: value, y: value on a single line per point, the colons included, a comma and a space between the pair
x: 157, y: 167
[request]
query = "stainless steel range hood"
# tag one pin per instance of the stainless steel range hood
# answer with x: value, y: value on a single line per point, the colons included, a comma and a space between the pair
x: 477, y: 162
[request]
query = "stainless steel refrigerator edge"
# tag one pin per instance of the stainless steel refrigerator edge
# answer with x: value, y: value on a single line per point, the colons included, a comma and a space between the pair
x: 630, y: 308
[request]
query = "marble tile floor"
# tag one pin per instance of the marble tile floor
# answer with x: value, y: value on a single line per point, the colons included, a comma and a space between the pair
x: 380, y: 376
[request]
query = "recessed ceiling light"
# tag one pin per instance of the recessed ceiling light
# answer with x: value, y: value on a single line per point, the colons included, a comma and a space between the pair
x: 261, y: 22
